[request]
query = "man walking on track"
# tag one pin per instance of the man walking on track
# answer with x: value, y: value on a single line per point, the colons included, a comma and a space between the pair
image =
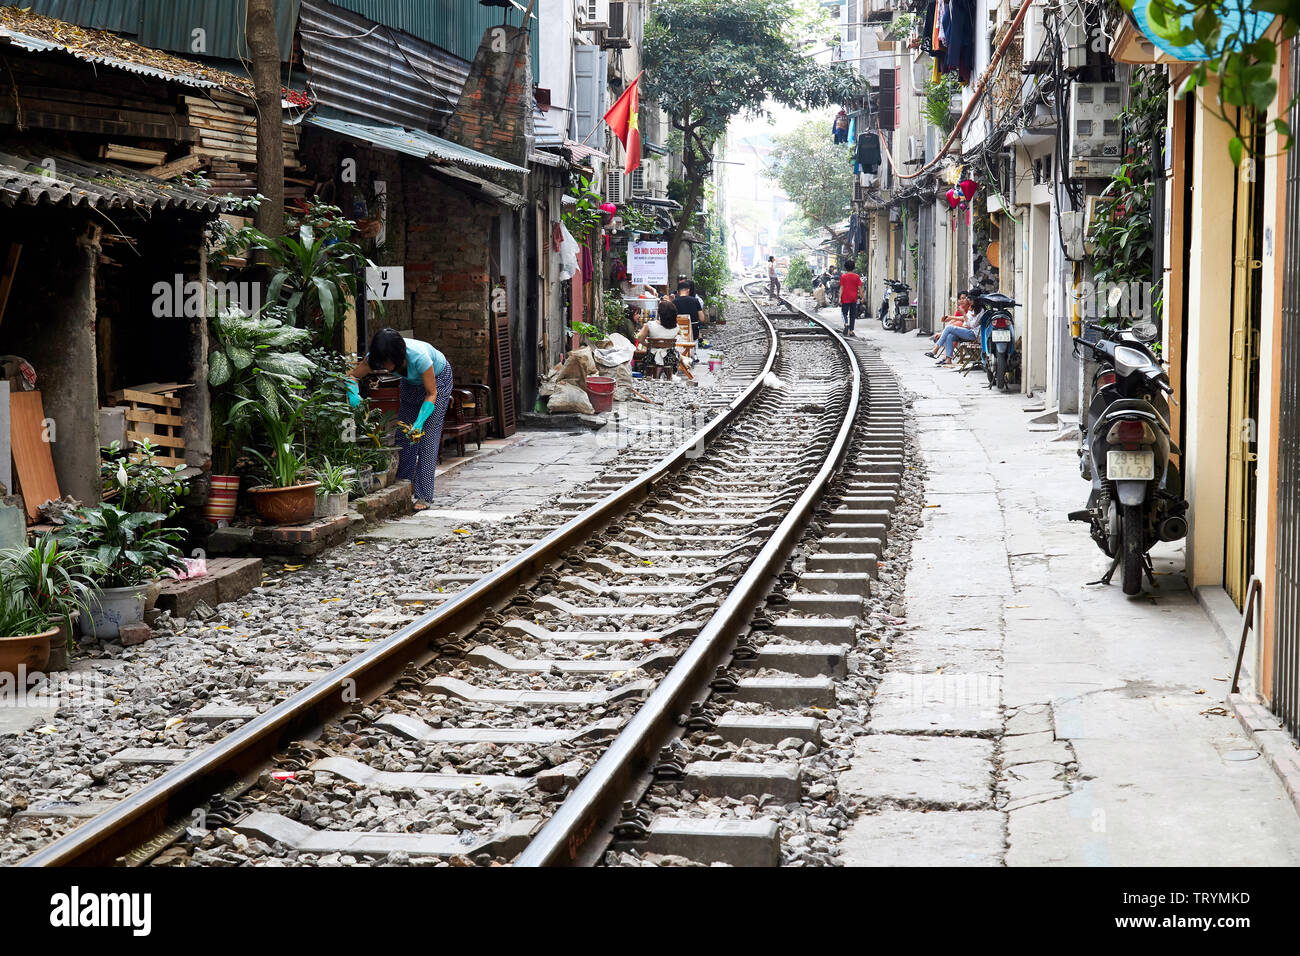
x: 773, y: 283
x: 850, y: 292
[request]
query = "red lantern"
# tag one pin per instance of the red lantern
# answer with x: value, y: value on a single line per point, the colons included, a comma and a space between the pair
x: 967, y: 187
x: 951, y: 194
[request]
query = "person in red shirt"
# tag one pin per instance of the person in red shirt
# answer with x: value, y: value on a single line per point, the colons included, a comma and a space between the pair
x: 850, y: 292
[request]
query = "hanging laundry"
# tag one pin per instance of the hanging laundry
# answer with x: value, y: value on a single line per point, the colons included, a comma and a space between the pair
x: 840, y: 127
x: 960, y: 57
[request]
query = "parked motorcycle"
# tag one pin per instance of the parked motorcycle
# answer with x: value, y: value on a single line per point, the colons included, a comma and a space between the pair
x: 998, y: 352
x: 1124, y: 450
x: 900, y: 292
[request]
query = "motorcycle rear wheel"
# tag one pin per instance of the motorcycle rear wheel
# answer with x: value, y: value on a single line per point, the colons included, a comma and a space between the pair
x: 1131, y: 548
x: 1000, y: 372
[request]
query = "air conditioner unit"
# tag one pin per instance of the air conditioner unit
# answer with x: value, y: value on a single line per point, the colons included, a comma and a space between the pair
x: 593, y: 14
x: 616, y: 35
x: 915, y: 148
x: 1038, y: 51
x: 614, y: 187
x: 920, y: 76
x: 638, y: 185
x: 1096, y: 133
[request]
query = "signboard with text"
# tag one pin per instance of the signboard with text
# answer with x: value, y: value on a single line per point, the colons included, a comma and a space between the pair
x: 385, y: 282
x: 648, y: 262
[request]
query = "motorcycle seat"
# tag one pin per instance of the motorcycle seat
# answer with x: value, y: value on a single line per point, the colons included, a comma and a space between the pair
x: 995, y: 300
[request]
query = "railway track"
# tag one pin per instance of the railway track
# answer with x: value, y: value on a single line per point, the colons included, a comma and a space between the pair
x: 559, y: 680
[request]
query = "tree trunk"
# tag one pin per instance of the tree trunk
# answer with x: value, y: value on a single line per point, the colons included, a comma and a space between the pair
x: 694, y: 190
x: 264, y: 49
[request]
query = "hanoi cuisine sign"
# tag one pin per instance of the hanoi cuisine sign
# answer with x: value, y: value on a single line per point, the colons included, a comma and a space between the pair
x: 648, y: 262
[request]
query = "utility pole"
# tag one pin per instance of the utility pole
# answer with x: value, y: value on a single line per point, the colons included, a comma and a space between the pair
x: 264, y: 49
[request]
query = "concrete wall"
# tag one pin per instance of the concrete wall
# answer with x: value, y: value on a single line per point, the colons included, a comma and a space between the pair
x: 1205, y: 397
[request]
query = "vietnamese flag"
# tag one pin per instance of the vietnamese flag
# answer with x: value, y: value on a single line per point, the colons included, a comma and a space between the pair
x: 624, y: 121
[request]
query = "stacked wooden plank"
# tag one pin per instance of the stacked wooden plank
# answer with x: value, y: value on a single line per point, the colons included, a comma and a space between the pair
x: 153, y: 415
x: 225, y: 128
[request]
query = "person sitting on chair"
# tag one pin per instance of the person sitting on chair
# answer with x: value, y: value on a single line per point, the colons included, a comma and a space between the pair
x: 662, y: 328
x: 964, y: 304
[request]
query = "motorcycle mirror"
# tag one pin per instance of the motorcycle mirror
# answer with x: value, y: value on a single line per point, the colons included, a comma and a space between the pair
x: 1146, y: 330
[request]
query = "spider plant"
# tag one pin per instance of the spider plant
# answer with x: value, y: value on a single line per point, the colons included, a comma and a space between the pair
x: 334, y: 479
x: 285, y: 461
x: 46, y: 579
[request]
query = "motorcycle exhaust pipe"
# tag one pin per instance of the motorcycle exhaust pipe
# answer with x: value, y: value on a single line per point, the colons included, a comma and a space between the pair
x: 1173, y: 528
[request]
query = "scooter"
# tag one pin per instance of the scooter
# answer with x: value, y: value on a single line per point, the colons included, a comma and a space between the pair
x: 1124, y: 450
x: 998, y: 352
x: 892, y: 321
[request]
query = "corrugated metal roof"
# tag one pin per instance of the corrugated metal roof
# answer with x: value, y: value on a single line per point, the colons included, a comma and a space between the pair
x: 582, y: 150
x: 413, y: 143
x: 28, y: 179
x: 455, y: 25
x: 169, y: 24
x: 42, y: 34
x: 120, y: 16
x: 359, y: 71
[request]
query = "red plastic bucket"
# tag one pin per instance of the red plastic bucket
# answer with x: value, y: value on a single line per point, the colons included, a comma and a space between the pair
x: 600, y: 390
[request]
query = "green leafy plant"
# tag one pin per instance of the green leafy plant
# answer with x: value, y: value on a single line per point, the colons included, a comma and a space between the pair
x: 583, y: 218
x: 41, y: 585
x: 285, y: 461
x: 137, y: 481
x: 315, y: 277
x: 334, y: 479
x: 634, y: 220
x: 902, y: 26
x: 799, y: 275
x: 938, y: 101
x: 1120, y: 233
x: 612, y: 309
x: 120, y: 549
x: 254, y: 358
x: 711, y: 271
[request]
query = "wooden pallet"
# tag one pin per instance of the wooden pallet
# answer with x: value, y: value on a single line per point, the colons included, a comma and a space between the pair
x: 153, y: 415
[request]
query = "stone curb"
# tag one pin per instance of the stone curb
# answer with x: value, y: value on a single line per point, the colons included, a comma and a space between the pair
x: 1273, y: 741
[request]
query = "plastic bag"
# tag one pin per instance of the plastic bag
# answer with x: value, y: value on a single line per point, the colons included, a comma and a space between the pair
x: 619, y: 352
x: 568, y: 253
x: 570, y: 398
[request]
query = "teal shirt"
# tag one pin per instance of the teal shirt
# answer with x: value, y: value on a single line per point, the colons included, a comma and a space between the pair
x: 419, y: 357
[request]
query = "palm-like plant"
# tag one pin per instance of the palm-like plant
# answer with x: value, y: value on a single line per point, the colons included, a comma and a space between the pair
x: 45, y: 582
x: 315, y: 277
x: 286, y: 460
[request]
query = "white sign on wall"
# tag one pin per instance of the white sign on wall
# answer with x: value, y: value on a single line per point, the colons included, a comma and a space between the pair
x: 648, y: 262
x: 385, y: 282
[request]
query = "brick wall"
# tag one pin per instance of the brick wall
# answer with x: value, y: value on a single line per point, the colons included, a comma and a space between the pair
x: 495, y: 111
x: 447, y: 234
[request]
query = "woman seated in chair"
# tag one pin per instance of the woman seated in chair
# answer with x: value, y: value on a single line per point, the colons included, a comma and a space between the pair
x: 661, y: 328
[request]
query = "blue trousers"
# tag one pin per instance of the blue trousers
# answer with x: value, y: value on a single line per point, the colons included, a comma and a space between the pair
x: 952, y: 335
x: 418, y: 462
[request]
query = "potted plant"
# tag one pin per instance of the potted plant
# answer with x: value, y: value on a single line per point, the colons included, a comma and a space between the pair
x: 43, y: 587
x: 122, y: 553
x: 254, y: 359
x: 136, y: 481
x: 336, y: 482
x: 285, y: 499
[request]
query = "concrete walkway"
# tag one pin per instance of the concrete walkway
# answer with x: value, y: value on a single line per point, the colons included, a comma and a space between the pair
x: 1029, y: 719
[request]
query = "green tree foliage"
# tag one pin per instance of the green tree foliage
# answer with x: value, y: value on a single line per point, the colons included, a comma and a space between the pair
x: 1237, y: 51
x: 799, y: 275
x: 707, y: 62
x: 815, y: 172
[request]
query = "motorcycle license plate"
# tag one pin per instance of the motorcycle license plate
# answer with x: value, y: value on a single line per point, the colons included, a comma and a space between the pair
x: 1001, y: 335
x: 1131, y: 465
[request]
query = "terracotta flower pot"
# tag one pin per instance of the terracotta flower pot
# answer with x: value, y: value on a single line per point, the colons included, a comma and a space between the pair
x: 293, y: 505
x: 31, y: 651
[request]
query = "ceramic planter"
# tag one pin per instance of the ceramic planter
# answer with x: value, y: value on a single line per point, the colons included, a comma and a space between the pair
x: 110, y: 608
x: 29, y: 651
x: 331, y: 506
x: 280, y: 506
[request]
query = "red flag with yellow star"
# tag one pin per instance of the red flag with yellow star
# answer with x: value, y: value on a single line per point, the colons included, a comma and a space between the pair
x: 623, y: 120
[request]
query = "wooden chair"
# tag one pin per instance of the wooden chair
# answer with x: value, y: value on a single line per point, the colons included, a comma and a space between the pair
x: 455, y: 428
x: 473, y: 410
x: 651, y: 369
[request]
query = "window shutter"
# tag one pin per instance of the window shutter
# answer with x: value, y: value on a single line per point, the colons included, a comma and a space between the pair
x: 898, y: 98
x: 589, y: 90
x: 886, y: 99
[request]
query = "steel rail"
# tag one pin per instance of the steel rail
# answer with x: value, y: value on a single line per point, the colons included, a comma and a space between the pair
x: 579, y: 830
x: 242, y: 754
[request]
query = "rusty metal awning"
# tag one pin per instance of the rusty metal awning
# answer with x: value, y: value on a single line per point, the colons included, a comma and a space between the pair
x: 583, y: 151
x: 424, y: 146
x: 60, y: 179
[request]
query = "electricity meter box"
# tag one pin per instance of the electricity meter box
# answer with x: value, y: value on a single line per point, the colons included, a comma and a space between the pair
x: 1096, y: 136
